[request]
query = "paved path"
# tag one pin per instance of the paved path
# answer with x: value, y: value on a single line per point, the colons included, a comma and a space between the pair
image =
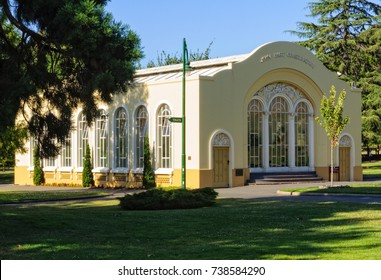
x: 244, y: 192
x: 270, y: 192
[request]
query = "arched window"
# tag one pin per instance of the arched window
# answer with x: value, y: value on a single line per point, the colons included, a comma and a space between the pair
x: 164, y: 137
x: 83, y: 138
x: 121, y: 138
x: 301, y: 135
x: 141, y: 126
x: 101, y: 139
x: 66, y: 153
x: 278, y: 133
x: 255, y: 118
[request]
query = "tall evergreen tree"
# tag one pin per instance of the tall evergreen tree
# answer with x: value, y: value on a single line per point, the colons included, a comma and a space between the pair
x: 370, y: 84
x: 38, y: 173
x: 148, y: 174
x: 346, y: 37
x: 57, y: 55
x: 87, y: 173
x: 335, y: 35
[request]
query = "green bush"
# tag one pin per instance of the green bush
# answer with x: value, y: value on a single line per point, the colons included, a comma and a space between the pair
x: 148, y: 174
x: 87, y: 174
x: 160, y: 199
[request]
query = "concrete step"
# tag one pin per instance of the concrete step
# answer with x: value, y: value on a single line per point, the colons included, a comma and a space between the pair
x: 284, y: 178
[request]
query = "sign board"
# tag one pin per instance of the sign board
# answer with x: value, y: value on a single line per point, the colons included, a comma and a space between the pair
x: 176, y: 119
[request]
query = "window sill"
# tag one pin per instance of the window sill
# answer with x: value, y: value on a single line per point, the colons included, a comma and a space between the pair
x: 49, y: 169
x: 119, y: 170
x: 65, y: 169
x: 164, y: 171
x: 101, y: 170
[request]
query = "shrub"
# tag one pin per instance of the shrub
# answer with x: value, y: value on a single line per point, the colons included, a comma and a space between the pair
x: 38, y: 173
x: 160, y: 199
x: 148, y: 174
x: 87, y: 174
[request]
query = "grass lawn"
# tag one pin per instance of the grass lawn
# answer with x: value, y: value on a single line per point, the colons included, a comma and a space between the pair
x: 20, y: 196
x: 372, y: 168
x: 360, y: 188
x: 232, y: 229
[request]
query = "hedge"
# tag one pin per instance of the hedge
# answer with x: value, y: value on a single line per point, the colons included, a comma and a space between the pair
x: 160, y: 199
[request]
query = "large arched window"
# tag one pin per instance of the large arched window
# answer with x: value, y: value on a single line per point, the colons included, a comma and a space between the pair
x: 278, y: 133
x: 301, y: 135
x: 121, y: 138
x: 141, y: 125
x: 280, y: 138
x: 101, y: 139
x: 83, y: 138
x: 164, y: 137
x: 255, y: 118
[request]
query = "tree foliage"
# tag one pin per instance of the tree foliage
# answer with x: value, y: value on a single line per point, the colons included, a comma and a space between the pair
x: 11, y: 141
x: 56, y: 56
x: 332, y: 119
x: 335, y: 35
x: 165, y: 58
x: 346, y: 37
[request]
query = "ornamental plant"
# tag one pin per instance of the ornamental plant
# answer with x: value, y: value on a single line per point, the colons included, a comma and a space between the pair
x: 38, y: 173
x: 87, y: 174
x: 148, y: 174
x: 332, y: 119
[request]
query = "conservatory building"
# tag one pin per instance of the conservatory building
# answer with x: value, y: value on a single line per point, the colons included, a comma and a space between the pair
x: 246, y: 115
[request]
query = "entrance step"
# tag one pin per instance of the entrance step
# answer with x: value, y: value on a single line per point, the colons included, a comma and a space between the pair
x: 284, y: 178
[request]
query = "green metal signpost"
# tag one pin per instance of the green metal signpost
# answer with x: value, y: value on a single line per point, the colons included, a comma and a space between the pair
x: 176, y: 119
x: 186, y: 68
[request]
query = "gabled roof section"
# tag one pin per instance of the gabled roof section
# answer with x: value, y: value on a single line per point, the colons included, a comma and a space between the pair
x: 200, y: 68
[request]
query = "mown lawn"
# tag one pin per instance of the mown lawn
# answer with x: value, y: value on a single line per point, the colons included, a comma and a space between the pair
x: 233, y: 229
x: 356, y: 188
x: 27, y: 196
x: 372, y: 168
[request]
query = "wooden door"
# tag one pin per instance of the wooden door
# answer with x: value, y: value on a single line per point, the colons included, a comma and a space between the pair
x: 345, y: 163
x: 221, y: 166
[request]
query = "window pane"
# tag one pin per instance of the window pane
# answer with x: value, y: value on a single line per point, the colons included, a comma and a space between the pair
x: 164, y: 143
x: 255, y: 113
x: 301, y: 135
x: 141, y: 124
x: 121, y: 138
x: 278, y: 133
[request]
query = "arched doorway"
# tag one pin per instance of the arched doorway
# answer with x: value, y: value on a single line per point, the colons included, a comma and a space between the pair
x: 221, y: 160
x: 345, y: 145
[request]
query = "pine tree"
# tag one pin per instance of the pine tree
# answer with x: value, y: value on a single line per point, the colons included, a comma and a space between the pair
x: 148, y: 174
x: 334, y: 36
x: 54, y: 55
x: 87, y: 174
x: 38, y: 173
x: 332, y: 119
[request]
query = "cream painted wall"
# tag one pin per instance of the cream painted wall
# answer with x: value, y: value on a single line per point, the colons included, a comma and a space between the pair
x: 219, y: 103
x: 275, y: 62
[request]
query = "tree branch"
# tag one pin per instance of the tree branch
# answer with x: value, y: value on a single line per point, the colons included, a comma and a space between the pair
x: 18, y: 24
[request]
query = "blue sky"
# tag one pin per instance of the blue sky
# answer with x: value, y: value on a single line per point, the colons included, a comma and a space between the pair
x: 234, y: 26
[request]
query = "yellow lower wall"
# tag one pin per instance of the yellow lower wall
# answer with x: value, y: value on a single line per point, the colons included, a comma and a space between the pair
x: 195, y: 178
x: 23, y: 176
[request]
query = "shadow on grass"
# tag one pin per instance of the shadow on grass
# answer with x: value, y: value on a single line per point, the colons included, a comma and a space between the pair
x: 6, y: 177
x: 233, y: 229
